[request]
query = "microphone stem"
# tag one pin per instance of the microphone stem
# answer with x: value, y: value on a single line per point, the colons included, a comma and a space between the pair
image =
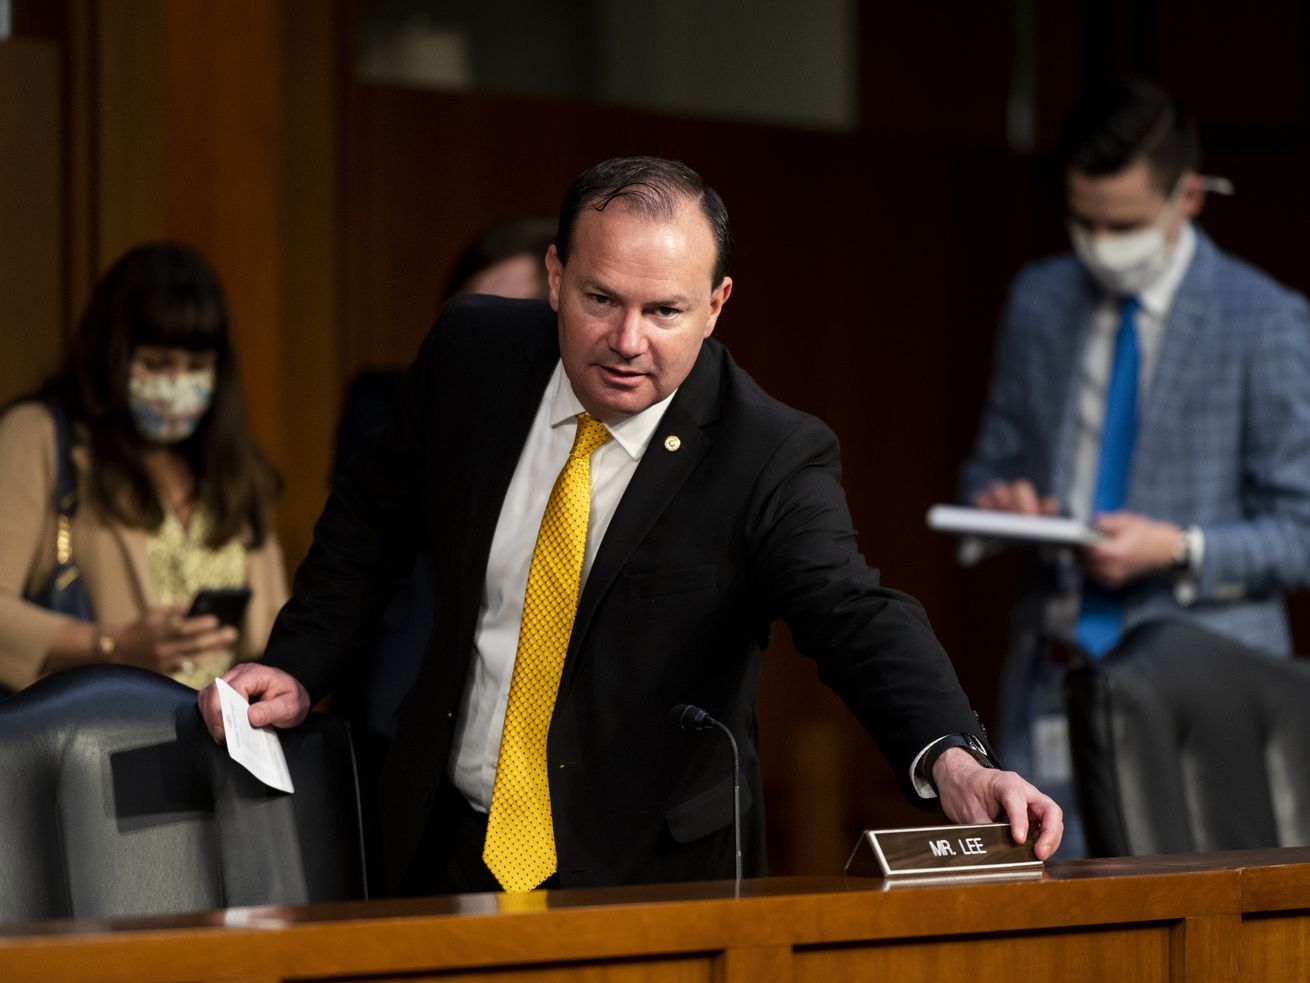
x: 736, y: 793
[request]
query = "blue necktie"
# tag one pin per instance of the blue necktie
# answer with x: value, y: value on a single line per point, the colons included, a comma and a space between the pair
x: 1100, y: 619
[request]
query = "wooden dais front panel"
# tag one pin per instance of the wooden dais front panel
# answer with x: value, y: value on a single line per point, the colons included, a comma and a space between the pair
x: 1200, y: 918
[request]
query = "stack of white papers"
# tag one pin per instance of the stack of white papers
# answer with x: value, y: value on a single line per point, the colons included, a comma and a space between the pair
x: 1011, y: 525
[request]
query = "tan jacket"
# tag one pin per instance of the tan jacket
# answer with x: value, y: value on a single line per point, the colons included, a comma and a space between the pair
x: 112, y: 558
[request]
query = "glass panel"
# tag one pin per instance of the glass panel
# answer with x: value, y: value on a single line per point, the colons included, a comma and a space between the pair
x: 772, y: 61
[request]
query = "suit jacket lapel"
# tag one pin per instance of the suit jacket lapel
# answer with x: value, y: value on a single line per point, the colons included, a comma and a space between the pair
x: 659, y: 476
x: 133, y: 544
x: 504, y: 428
x: 1181, y: 345
x: 106, y: 537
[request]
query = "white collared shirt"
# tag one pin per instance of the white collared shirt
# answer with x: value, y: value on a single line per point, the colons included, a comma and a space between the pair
x: 481, y: 717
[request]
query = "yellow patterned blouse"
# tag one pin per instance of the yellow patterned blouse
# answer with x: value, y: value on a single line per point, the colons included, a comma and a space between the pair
x: 181, y: 564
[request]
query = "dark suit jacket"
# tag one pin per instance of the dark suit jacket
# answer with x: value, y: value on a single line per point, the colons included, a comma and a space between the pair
x: 744, y: 523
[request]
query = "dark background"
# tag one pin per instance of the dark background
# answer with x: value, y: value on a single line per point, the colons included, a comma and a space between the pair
x: 870, y: 263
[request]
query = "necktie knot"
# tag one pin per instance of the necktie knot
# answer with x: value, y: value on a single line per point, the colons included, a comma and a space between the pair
x: 591, y: 435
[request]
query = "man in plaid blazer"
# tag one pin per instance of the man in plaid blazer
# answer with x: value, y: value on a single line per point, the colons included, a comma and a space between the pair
x: 1213, y: 524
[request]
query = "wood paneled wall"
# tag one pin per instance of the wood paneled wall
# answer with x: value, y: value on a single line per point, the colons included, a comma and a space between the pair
x: 218, y: 125
x: 31, y: 214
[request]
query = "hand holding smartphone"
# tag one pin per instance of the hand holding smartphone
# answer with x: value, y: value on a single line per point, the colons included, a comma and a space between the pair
x: 227, y: 603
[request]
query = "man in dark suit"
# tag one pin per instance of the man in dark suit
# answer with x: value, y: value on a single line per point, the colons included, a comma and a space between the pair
x: 709, y: 510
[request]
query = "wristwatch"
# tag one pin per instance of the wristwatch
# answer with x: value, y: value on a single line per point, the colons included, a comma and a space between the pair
x: 1184, y: 550
x: 968, y: 742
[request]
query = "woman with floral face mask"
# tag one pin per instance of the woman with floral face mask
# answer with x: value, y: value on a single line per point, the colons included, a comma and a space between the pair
x: 173, y: 492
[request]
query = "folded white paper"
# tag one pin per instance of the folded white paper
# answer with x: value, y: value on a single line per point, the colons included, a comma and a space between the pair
x: 1011, y: 525
x: 257, y: 749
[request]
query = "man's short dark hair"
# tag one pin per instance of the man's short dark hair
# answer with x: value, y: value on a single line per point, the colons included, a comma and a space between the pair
x: 1120, y: 123
x: 652, y: 186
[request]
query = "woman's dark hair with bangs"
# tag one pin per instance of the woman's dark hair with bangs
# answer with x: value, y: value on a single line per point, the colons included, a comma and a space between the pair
x: 166, y: 295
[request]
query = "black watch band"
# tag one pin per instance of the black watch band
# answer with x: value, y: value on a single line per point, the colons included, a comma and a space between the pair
x: 968, y: 742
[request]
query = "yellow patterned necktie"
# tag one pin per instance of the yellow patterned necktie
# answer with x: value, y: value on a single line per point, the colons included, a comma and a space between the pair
x: 520, y: 845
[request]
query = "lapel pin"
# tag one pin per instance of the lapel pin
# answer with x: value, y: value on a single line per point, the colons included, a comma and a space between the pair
x: 672, y: 442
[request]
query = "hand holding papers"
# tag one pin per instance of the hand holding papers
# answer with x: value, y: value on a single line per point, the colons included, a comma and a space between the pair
x: 1011, y: 525
x: 258, y: 750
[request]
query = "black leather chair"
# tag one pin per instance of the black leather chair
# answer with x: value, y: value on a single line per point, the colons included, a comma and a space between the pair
x: 1185, y: 741
x: 115, y: 801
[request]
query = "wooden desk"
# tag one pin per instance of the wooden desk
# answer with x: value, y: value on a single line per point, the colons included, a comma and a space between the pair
x: 1216, y: 917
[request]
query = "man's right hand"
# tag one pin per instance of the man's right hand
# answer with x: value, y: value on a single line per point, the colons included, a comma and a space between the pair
x: 276, y: 698
x: 1015, y: 496
x: 972, y: 793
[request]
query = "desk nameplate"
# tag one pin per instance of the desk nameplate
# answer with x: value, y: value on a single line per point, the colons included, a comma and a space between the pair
x: 933, y: 850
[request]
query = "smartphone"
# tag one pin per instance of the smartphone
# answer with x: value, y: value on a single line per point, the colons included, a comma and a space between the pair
x: 228, y: 603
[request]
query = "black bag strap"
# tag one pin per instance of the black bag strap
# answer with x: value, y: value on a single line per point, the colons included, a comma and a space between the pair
x: 65, y: 497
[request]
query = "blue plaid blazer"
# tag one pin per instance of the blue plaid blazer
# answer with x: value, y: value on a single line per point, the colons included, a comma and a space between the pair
x: 1223, y: 438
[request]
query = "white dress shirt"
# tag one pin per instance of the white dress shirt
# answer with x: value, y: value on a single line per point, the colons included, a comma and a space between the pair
x: 481, y: 718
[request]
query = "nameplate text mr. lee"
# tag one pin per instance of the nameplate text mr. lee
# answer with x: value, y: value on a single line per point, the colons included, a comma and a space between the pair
x: 931, y: 850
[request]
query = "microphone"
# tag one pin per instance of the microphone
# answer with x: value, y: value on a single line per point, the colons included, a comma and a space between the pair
x: 692, y: 718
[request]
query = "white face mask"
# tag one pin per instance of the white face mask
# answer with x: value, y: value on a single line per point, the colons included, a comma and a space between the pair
x: 1126, y: 263
x: 167, y: 408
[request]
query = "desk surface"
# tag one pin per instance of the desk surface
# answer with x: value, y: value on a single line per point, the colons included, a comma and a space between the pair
x: 1169, y: 917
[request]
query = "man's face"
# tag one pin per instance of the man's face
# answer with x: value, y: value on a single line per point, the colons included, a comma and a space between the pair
x: 635, y: 302
x: 1128, y: 201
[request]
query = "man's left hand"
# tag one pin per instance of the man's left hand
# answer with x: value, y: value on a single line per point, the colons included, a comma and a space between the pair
x: 1133, y: 546
x: 971, y: 793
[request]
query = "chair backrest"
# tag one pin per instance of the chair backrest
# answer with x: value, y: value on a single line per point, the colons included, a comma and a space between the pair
x: 1185, y: 741
x: 114, y: 800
